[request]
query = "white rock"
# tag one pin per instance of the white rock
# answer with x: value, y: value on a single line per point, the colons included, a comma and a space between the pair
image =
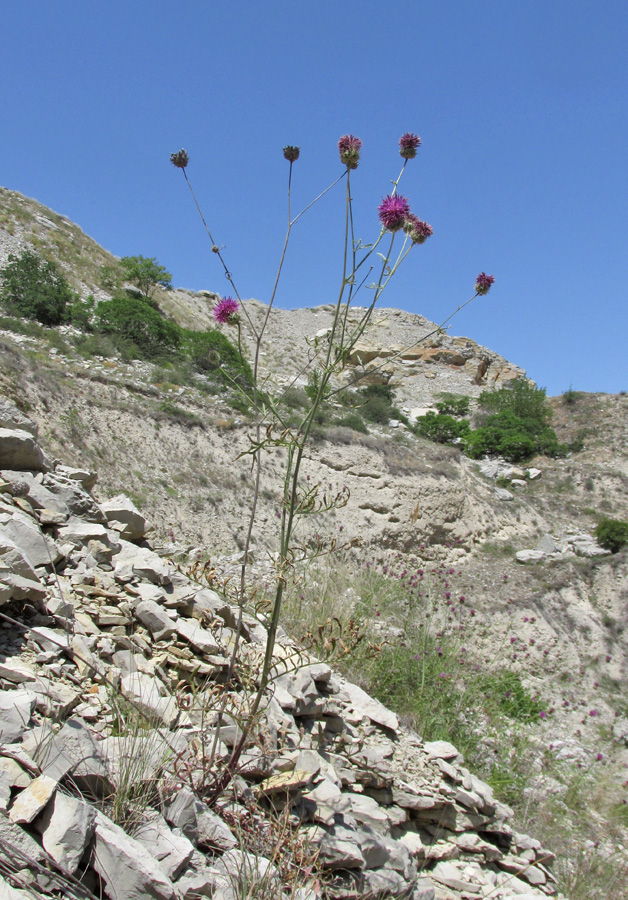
x: 66, y: 827
x: 19, y: 450
x: 130, y: 872
x: 39, y: 549
x: 530, y: 556
x: 32, y: 800
x: 16, y: 708
x: 156, y: 619
x: 122, y: 509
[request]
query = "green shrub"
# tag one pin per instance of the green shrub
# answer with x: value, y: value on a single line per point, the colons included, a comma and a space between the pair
x: 453, y: 404
x: 81, y: 313
x: 376, y: 403
x: 145, y: 273
x: 352, y: 420
x: 570, y: 397
x: 33, y: 288
x: 612, y: 534
x: 145, y: 331
x: 515, y: 425
x: 441, y: 428
x: 213, y: 353
x: 520, y: 398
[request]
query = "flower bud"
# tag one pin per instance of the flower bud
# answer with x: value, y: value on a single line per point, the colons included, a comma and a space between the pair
x: 179, y: 159
x: 349, y: 148
x: 291, y: 153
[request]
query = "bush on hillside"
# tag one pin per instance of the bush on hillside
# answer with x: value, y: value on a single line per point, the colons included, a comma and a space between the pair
x: 453, y: 404
x: 515, y: 424
x: 146, y: 274
x: 612, y: 534
x: 33, y: 288
x: 146, y: 333
x: 441, y: 428
x: 213, y: 353
x: 375, y: 403
x: 519, y: 397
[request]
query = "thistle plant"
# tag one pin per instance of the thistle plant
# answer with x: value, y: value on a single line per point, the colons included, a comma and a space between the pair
x: 369, y: 266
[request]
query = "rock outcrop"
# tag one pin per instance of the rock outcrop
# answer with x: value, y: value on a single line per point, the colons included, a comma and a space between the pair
x: 114, y: 724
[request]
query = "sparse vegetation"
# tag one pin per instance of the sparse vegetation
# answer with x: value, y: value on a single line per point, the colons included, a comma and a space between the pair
x: 612, y: 534
x: 33, y: 288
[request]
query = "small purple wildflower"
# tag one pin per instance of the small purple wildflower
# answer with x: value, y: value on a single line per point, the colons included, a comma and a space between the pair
x: 483, y: 283
x: 409, y: 144
x: 226, y: 311
x: 349, y: 148
x: 393, y: 211
x: 542, y: 715
x: 599, y: 757
x: 593, y: 712
x: 418, y: 230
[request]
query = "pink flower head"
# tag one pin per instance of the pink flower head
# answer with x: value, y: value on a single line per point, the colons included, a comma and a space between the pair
x: 408, y: 145
x: 349, y: 148
x: 483, y: 283
x: 226, y: 311
x: 393, y: 211
x: 418, y: 230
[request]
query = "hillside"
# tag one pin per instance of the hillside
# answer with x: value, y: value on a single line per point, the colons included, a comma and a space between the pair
x: 556, y: 621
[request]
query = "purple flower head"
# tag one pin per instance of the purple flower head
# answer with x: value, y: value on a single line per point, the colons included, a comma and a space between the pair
x: 408, y: 145
x: 226, y: 311
x: 393, y: 211
x: 349, y: 148
x: 291, y: 153
x: 483, y: 283
x: 418, y: 230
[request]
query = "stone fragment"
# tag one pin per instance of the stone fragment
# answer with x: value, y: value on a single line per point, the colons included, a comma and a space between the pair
x: 78, y: 532
x: 200, y: 638
x: 12, y: 774
x: 530, y: 556
x: 285, y: 782
x: 32, y: 800
x: 156, y: 619
x: 19, y: 450
x: 336, y: 852
x: 66, y: 826
x: 16, y: 708
x: 503, y: 494
x: 78, y: 501
x: 150, y: 696
x: 127, y: 518
x: 129, y: 871
x: 172, y: 851
x: 15, y: 836
x: 74, y: 750
x: 83, y: 476
x: 12, y: 417
x: 442, y: 750
x: 364, y: 706
x: 36, y: 547
x: 12, y: 668
x: 8, y: 892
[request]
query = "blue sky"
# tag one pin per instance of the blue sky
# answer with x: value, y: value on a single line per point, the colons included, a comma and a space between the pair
x: 522, y: 108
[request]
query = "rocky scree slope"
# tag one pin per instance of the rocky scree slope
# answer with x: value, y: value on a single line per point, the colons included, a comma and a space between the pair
x: 98, y: 628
